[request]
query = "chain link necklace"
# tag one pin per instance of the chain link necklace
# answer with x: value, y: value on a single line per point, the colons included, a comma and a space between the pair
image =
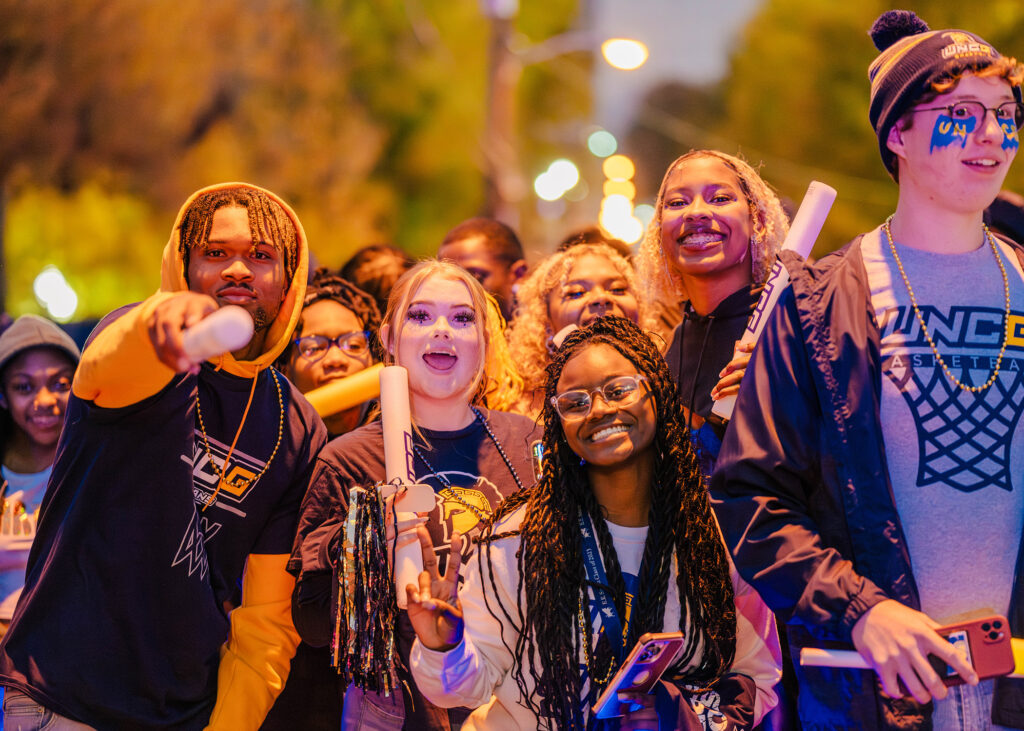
x: 612, y: 665
x: 245, y: 483
x: 482, y: 515
x: 924, y: 328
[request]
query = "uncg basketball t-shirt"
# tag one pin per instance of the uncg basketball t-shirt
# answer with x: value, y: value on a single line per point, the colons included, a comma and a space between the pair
x: 955, y: 457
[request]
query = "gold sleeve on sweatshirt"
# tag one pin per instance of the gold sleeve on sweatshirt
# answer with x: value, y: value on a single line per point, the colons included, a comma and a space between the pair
x: 254, y: 663
x: 120, y: 367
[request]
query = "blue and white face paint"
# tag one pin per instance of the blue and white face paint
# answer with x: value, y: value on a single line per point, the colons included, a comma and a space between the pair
x: 949, y: 131
x: 1011, y: 138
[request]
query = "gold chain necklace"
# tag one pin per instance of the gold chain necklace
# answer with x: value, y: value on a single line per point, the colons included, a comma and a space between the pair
x: 924, y: 328
x: 612, y: 665
x: 482, y: 515
x: 246, y: 483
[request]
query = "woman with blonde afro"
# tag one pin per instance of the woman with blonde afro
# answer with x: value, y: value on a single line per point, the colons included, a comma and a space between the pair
x: 715, y: 234
x: 571, y: 287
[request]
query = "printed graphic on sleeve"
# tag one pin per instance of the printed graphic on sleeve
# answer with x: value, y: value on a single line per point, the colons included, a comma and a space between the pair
x: 706, y: 704
x: 964, y: 438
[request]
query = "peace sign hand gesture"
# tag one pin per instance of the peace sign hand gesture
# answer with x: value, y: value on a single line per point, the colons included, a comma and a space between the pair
x: 434, y: 609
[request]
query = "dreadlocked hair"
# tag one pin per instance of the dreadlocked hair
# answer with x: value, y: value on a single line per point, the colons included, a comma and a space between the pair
x: 268, y: 222
x: 551, y: 572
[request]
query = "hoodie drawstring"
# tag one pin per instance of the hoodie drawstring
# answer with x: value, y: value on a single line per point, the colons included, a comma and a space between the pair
x: 696, y: 371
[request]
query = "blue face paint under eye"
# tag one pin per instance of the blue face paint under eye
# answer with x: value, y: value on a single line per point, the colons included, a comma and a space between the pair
x: 1011, y: 140
x: 948, y: 131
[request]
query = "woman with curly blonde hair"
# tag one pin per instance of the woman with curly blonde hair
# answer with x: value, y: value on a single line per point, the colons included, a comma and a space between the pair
x: 716, y: 231
x: 571, y: 287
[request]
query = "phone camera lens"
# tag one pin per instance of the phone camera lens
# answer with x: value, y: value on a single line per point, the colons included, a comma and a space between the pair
x: 997, y: 624
x: 993, y: 635
x: 986, y: 627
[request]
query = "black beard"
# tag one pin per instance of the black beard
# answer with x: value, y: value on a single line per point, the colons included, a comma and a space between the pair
x: 260, y: 319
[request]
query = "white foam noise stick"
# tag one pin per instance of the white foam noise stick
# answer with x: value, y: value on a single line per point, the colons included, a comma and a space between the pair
x: 223, y: 331
x: 396, y: 423
x: 822, y: 658
x: 802, y: 234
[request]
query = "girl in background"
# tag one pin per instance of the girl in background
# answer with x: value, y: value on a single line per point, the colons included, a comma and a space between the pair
x: 335, y: 337
x: 712, y: 242
x: 571, y: 287
x: 37, y: 365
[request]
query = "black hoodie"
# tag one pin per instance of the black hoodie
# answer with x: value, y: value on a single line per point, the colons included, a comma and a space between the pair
x: 701, y: 347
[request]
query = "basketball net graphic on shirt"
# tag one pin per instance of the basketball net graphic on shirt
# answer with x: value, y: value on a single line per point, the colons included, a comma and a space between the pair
x: 963, y: 438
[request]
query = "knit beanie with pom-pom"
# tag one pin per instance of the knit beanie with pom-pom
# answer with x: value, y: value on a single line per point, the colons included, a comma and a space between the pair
x: 912, y: 57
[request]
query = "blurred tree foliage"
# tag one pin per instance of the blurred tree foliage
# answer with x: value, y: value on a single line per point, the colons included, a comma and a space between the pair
x: 796, y: 101
x: 364, y: 115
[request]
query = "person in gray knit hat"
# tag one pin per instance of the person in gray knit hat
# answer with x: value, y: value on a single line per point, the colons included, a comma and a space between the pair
x: 37, y: 363
x: 871, y: 485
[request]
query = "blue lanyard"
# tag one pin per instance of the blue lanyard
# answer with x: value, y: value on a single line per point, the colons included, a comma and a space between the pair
x: 601, y: 603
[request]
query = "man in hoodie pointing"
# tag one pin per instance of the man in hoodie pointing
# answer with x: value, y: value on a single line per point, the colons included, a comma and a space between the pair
x: 173, y: 482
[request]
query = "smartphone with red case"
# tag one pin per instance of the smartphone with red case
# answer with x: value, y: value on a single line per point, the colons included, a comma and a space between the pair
x: 653, y: 654
x: 985, y: 641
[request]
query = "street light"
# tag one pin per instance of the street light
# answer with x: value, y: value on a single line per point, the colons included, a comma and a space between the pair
x: 624, y: 53
x: 505, y: 184
x: 53, y: 292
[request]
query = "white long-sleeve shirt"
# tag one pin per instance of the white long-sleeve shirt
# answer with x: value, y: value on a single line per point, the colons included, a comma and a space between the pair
x: 477, y: 672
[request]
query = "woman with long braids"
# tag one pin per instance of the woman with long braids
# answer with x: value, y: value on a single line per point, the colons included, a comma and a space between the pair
x: 534, y: 635
x: 445, y: 330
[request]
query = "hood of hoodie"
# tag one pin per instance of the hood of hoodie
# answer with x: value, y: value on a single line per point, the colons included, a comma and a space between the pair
x: 172, y: 279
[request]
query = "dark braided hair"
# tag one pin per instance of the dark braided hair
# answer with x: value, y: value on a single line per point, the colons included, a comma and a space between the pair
x: 268, y: 222
x: 551, y: 572
x: 327, y: 285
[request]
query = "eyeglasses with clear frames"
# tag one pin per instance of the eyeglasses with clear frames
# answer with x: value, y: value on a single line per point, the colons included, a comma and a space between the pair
x: 1005, y: 112
x: 354, y: 344
x: 621, y: 391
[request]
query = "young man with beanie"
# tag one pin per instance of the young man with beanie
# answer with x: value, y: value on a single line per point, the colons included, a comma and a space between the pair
x: 174, y: 481
x: 872, y: 484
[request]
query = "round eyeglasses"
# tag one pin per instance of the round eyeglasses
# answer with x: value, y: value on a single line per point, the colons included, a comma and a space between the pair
x: 621, y: 391
x: 354, y: 344
x: 961, y: 111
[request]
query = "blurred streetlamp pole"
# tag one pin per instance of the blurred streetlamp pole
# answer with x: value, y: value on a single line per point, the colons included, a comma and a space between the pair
x: 505, y: 184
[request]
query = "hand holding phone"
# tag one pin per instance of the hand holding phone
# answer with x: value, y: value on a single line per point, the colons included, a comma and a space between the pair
x: 984, y: 646
x: 653, y: 654
x: 985, y: 642
x: 896, y: 641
